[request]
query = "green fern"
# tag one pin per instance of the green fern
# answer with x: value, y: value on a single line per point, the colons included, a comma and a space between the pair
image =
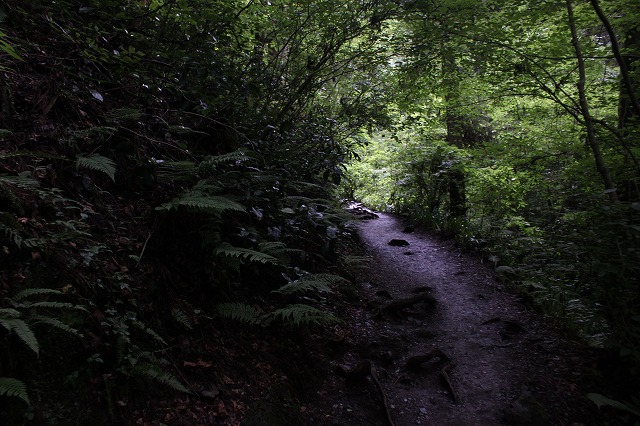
x: 36, y: 154
x: 14, y: 387
x: 226, y: 249
x: 239, y: 312
x: 98, y: 163
x: 276, y: 248
x: 9, y: 313
x: 54, y: 305
x: 22, y: 181
x: 235, y: 156
x: 12, y: 234
x: 154, y: 372
x: 279, y: 250
x: 298, y: 199
x: 198, y: 200
x: 23, y: 331
x: 28, y: 292
x: 181, y: 318
x: 23, y: 314
x: 97, y: 131
x: 55, y: 323
x: 124, y: 114
x: 140, y: 325
x: 183, y: 130
x: 313, y: 282
x: 301, y: 314
x: 177, y: 171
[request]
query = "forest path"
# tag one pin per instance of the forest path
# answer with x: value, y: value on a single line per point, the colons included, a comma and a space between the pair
x: 507, y: 366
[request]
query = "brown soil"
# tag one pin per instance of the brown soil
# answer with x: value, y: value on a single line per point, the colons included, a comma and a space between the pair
x: 508, y: 365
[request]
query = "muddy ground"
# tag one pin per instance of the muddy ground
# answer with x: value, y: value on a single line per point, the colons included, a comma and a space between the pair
x: 488, y: 359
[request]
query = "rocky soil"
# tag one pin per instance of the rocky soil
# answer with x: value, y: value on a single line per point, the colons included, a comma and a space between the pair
x: 448, y: 345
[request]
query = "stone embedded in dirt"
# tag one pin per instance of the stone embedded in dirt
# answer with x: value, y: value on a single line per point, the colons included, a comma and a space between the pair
x: 409, y: 229
x: 505, y: 270
x: 398, y: 243
x: 408, y: 253
x: 425, y: 334
x: 399, y: 304
x: 526, y: 410
x: 360, y: 211
x: 383, y: 293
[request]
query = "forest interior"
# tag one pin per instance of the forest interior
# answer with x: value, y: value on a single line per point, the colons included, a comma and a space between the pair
x: 187, y: 197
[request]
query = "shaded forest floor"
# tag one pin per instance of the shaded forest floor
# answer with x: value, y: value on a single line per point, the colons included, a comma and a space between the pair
x: 415, y: 311
x: 469, y: 352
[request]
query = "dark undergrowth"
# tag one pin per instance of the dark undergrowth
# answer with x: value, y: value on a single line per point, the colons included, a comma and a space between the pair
x: 167, y: 258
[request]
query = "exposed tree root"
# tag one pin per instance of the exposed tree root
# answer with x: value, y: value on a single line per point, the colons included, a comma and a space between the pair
x: 415, y: 362
x: 360, y: 372
x: 444, y: 376
x: 399, y: 304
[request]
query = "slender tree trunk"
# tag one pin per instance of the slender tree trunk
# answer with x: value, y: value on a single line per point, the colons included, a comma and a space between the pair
x: 592, y: 140
x: 455, y: 136
x: 629, y: 105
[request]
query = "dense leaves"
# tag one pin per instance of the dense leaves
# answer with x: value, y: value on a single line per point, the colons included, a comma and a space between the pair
x: 167, y: 169
x: 532, y: 104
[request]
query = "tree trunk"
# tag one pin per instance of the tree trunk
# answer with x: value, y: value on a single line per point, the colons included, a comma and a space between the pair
x: 592, y: 140
x: 455, y: 134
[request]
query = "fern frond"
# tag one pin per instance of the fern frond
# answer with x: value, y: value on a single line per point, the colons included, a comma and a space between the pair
x: 12, y: 234
x: 140, y: 325
x: 23, y: 331
x: 181, y: 318
x: 301, y: 314
x: 235, y: 156
x: 54, y: 305
x: 124, y: 114
x: 206, y: 186
x: 312, y: 282
x: 183, y: 130
x: 23, y: 181
x: 279, y: 250
x: 96, y: 131
x: 36, y: 154
x: 56, y: 323
x: 239, y: 312
x: 172, y: 171
x: 14, y: 387
x: 305, y: 187
x: 226, y: 249
x: 298, y: 199
x: 26, y: 293
x: 276, y: 248
x: 98, y: 163
x: 200, y: 201
x: 154, y: 372
x: 9, y: 313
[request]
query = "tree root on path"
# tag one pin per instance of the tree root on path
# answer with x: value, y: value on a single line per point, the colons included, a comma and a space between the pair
x: 360, y: 372
x: 399, y: 304
x: 415, y: 362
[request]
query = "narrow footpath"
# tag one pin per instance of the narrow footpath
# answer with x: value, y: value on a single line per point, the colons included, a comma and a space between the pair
x: 438, y: 340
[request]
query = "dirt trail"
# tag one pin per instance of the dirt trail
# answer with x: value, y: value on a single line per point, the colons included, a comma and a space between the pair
x: 508, y: 367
